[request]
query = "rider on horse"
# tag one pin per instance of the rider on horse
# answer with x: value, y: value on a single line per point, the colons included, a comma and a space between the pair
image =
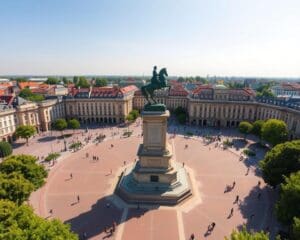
x: 154, y: 79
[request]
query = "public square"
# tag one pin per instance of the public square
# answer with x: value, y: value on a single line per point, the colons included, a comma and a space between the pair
x: 80, y: 188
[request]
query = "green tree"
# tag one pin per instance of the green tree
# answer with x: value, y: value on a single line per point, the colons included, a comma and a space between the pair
x: 73, y: 124
x: 82, y: 82
x: 181, y: 118
x: 25, y: 131
x: 201, y: 80
x: 5, y: 149
x: 27, y: 166
x: 296, y: 229
x: 257, y: 126
x: 180, y: 79
x: 280, y: 161
x: 245, y: 235
x: 245, y: 128
x: 130, y: 117
x: 27, y: 94
x: 274, y: 131
x: 101, y: 82
x: 288, y: 205
x: 15, y: 187
x: 60, y: 124
x: 20, y: 222
x: 75, y: 80
x: 52, y: 81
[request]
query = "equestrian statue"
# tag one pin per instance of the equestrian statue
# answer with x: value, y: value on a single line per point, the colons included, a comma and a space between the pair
x: 158, y: 81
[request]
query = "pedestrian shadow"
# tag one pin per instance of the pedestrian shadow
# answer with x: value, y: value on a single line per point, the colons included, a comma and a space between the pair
x: 100, y: 217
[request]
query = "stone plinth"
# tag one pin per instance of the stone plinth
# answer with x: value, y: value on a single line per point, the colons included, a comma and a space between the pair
x: 156, y: 178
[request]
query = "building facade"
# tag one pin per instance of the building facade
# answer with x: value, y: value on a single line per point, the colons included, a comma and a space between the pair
x: 100, y: 104
x: 7, y: 122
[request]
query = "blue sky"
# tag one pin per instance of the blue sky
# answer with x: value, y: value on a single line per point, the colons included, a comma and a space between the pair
x: 128, y: 37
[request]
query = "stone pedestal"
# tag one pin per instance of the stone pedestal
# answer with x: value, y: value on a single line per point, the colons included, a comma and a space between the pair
x: 156, y: 177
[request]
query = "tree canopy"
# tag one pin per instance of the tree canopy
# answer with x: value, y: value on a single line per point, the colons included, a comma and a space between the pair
x: 25, y: 131
x: 274, y: 131
x: 288, y: 205
x: 245, y: 235
x: 52, y: 81
x: 60, y: 124
x: 245, y: 128
x: 15, y: 187
x: 20, y: 222
x: 73, y: 124
x: 296, y: 229
x: 25, y: 165
x: 5, y: 149
x: 280, y: 161
x: 82, y: 82
x: 257, y: 127
x: 101, y: 82
x: 27, y: 94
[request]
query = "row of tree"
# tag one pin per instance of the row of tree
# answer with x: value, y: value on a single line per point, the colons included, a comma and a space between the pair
x: 61, y: 124
x: 280, y: 167
x: 273, y: 131
x: 19, y: 176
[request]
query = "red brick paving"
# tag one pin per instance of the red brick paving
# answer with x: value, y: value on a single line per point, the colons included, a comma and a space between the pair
x: 92, y: 181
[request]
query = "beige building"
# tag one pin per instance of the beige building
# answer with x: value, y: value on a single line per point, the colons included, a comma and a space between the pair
x: 7, y: 122
x: 176, y: 97
x: 100, y: 104
x: 27, y: 113
x: 50, y: 110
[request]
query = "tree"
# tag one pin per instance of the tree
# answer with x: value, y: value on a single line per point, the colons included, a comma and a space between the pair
x: 25, y: 131
x: 27, y: 166
x: 101, y: 82
x: 75, y: 79
x: 60, y: 124
x: 27, y: 94
x: 181, y: 118
x: 52, y: 81
x: 257, y: 126
x: 5, y: 149
x: 280, y: 161
x: 180, y: 79
x: 82, y: 82
x: 130, y: 117
x: 20, y: 222
x: 288, y: 205
x: 201, y: 80
x: 296, y: 229
x: 15, y: 187
x: 274, y: 131
x: 181, y: 115
x: 245, y: 128
x: 245, y: 235
x: 73, y: 124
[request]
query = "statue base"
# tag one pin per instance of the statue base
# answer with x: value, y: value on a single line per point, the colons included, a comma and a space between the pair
x: 158, y: 107
x: 156, y: 178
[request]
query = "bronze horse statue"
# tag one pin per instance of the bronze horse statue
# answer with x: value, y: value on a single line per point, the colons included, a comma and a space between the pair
x: 148, y: 90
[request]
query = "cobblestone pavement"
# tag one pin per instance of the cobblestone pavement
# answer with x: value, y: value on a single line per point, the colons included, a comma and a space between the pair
x: 212, y: 169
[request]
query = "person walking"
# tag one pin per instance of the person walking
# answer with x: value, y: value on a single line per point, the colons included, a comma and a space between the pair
x: 78, y: 198
x: 71, y: 175
x: 237, y: 199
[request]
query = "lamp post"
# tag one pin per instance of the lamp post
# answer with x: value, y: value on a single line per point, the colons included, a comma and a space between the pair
x: 65, y: 144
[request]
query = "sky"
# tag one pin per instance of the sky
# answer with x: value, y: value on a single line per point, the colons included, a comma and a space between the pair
x: 128, y: 37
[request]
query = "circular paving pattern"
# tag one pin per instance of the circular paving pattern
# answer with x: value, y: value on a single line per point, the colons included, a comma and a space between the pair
x: 86, y: 199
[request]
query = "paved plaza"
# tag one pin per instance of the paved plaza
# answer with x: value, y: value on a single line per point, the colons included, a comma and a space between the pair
x: 79, y: 189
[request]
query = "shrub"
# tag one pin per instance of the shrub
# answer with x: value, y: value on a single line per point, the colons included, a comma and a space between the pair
x: 5, y: 149
x: 249, y: 152
x: 52, y: 156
